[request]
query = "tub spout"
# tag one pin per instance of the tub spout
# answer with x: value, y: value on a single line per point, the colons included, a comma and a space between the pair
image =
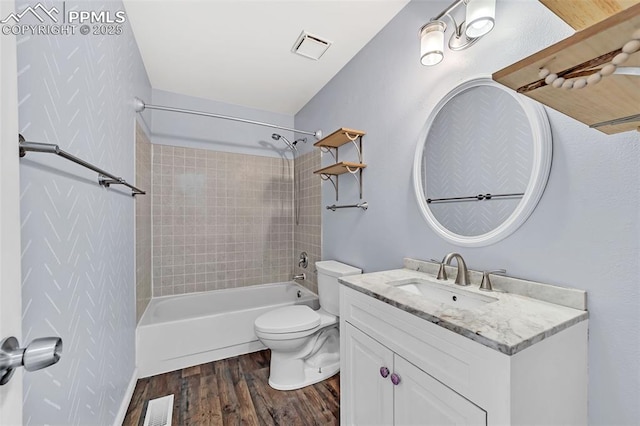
x: 301, y: 276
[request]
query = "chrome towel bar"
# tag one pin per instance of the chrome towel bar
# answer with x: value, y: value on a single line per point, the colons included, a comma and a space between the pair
x: 362, y: 206
x: 104, y: 178
x: 478, y: 197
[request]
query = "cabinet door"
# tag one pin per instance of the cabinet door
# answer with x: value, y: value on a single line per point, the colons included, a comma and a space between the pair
x: 422, y: 400
x: 368, y: 397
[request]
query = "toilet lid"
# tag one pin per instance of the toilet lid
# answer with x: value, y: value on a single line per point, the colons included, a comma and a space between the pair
x: 288, y: 319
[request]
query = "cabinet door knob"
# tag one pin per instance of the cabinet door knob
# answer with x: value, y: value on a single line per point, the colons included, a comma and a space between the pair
x: 384, y: 372
x: 395, y: 379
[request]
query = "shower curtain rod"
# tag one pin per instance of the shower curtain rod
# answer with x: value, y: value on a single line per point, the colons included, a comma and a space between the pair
x: 140, y: 106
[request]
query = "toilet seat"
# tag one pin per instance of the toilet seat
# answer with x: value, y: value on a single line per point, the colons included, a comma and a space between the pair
x: 290, y: 319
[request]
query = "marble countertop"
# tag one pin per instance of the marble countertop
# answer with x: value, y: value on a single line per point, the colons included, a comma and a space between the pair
x: 508, y: 325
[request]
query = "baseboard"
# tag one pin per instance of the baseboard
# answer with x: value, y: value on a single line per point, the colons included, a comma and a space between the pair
x: 122, y: 412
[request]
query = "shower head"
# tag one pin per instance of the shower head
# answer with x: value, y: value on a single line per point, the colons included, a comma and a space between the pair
x: 276, y: 137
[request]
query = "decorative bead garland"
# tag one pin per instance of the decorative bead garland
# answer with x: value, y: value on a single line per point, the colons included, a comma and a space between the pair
x: 628, y: 49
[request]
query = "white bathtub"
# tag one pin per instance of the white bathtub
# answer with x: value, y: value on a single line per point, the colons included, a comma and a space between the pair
x: 180, y: 331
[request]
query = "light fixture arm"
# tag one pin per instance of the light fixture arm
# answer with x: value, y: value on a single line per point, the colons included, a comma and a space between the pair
x: 448, y: 10
x: 447, y: 13
x: 458, y: 28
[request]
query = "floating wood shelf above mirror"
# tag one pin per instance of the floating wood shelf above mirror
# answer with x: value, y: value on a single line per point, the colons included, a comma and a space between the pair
x: 615, y: 97
x: 582, y: 14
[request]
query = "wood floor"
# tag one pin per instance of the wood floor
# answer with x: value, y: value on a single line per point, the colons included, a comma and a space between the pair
x: 235, y: 391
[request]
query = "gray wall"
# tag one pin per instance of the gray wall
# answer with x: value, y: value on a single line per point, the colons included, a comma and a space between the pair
x: 78, y: 238
x: 584, y: 232
x: 193, y: 131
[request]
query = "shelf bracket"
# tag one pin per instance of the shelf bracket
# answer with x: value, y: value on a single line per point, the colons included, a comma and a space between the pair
x: 358, y: 145
x: 334, y: 183
x: 357, y: 174
x: 328, y: 150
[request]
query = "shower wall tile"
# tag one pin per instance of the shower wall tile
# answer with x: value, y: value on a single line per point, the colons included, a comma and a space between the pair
x: 78, y: 275
x: 220, y: 220
x: 307, y: 216
x: 143, y: 222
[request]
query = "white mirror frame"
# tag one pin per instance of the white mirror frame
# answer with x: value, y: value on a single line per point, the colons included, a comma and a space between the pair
x: 542, y: 153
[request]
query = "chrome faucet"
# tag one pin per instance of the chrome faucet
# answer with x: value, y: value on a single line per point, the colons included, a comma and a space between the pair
x: 462, y: 278
x: 301, y: 276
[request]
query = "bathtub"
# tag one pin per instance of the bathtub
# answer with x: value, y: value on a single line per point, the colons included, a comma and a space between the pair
x: 181, y: 331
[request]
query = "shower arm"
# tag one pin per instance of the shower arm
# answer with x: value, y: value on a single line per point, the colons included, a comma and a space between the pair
x: 140, y: 106
x: 291, y: 145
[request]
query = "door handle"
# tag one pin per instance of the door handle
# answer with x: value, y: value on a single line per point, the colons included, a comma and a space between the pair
x: 40, y: 353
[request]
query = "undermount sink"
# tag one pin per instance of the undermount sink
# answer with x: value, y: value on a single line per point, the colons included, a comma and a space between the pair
x: 443, y: 294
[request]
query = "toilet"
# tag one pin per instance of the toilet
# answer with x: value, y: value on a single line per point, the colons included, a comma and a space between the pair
x: 305, y: 344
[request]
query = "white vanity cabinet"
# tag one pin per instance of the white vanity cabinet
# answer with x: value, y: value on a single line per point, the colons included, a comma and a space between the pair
x: 422, y: 400
x: 371, y: 395
x: 444, y: 378
x: 386, y: 389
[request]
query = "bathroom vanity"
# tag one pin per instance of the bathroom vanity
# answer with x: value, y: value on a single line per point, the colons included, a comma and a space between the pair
x: 416, y: 350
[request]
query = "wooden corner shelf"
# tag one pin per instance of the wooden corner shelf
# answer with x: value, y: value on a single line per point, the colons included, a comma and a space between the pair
x: 613, y: 98
x: 340, y: 137
x: 340, y: 168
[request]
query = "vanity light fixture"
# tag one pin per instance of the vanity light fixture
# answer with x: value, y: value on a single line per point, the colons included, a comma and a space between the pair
x: 432, y: 43
x: 479, y: 20
x: 480, y: 17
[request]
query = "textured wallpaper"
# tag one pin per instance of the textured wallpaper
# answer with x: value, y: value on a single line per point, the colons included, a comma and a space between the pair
x: 77, y: 237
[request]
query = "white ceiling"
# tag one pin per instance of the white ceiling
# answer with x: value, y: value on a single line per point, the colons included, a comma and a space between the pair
x: 239, y: 51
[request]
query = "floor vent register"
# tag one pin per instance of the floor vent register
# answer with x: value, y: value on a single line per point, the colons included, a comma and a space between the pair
x: 159, y: 411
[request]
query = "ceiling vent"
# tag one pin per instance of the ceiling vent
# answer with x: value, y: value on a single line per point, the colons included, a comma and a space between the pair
x: 310, y: 46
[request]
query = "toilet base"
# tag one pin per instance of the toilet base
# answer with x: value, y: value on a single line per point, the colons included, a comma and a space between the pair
x: 312, y: 375
x: 294, y: 371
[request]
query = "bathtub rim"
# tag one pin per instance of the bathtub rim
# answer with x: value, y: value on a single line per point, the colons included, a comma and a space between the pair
x: 158, y: 299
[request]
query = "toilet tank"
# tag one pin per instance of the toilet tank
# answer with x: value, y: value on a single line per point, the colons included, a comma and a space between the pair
x: 328, y: 273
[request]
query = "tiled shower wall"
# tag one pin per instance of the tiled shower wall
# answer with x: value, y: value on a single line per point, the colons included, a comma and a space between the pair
x: 307, y: 217
x: 220, y: 220
x: 143, y: 222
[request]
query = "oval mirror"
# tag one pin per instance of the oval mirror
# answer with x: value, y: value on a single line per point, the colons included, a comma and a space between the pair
x: 482, y: 162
